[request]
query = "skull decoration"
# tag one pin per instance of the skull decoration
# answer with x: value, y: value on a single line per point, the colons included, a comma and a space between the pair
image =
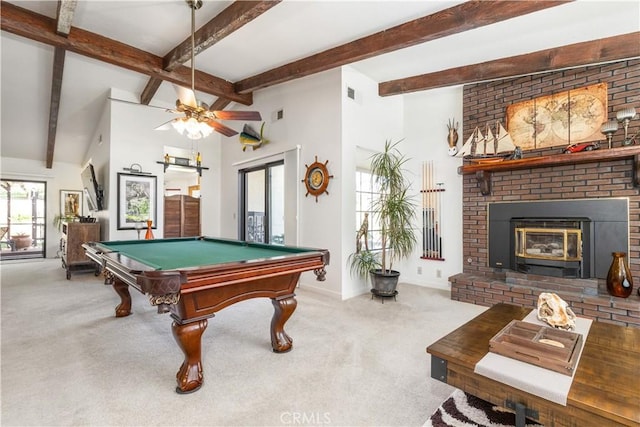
x: 554, y: 311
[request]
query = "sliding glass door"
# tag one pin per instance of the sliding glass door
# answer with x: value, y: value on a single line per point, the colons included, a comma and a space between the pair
x: 262, y: 203
x: 23, y: 222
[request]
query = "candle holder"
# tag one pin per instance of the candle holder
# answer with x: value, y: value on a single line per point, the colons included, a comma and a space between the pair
x: 625, y: 116
x: 609, y: 128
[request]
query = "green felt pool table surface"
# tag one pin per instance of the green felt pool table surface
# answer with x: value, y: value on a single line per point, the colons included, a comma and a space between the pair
x: 169, y: 254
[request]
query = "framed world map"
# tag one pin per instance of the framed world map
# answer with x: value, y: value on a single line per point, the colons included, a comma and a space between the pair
x: 560, y: 119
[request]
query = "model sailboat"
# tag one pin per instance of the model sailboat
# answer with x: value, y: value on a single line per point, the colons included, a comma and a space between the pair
x: 490, y: 147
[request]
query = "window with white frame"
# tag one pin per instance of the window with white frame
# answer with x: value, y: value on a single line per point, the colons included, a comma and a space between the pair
x: 367, y: 191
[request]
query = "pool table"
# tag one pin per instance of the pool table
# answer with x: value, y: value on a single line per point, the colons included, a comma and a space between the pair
x: 193, y: 278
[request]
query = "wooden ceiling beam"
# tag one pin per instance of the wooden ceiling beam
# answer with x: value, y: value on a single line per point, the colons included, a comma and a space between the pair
x: 463, y: 17
x: 574, y: 55
x: 232, y: 18
x: 219, y: 104
x: 54, y: 105
x: 64, y: 17
x: 150, y: 90
x: 40, y: 28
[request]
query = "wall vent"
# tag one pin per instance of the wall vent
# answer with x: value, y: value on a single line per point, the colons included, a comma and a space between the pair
x: 351, y: 92
x: 277, y: 115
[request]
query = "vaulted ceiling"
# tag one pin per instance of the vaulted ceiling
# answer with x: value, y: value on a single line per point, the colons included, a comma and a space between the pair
x: 60, y: 58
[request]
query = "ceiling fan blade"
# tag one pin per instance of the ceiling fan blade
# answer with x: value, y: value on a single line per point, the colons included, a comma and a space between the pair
x: 219, y: 127
x: 186, y: 96
x: 166, y: 125
x: 238, y: 115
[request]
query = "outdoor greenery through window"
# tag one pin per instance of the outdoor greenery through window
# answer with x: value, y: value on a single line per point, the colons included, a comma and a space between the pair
x: 22, y: 228
x: 367, y: 191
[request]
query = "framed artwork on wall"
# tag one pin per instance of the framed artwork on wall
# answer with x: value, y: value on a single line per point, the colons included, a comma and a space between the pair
x: 137, y: 200
x: 70, y: 203
x: 559, y: 119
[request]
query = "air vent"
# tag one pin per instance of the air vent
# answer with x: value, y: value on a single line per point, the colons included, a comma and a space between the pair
x: 277, y: 115
x: 351, y: 93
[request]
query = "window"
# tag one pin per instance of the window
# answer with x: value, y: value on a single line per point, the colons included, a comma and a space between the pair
x: 367, y: 191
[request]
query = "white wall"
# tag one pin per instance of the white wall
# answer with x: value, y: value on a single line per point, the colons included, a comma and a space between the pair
x: 98, y: 154
x: 367, y: 122
x: 320, y: 117
x: 426, y: 115
x: 311, y: 107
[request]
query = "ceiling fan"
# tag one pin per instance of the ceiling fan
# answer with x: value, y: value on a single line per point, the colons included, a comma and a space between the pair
x: 198, y: 121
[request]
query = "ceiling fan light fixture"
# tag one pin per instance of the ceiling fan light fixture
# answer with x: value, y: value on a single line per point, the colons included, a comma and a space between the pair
x: 179, y: 125
x: 191, y: 125
x: 205, y: 130
x: 192, y: 128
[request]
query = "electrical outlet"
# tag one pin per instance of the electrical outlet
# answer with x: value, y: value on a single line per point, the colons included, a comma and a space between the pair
x: 438, y: 273
x: 419, y: 270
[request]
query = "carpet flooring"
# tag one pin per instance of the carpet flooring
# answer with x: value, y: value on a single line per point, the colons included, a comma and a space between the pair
x: 67, y: 361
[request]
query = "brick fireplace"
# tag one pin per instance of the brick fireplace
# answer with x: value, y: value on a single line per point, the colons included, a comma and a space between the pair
x: 602, y: 178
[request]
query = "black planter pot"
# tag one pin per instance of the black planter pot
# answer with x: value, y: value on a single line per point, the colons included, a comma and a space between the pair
x: 384, y: 283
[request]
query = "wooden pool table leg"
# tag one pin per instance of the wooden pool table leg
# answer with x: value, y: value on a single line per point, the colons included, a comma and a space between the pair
x: 122, y: 289
x: 188, y: 337
x: 283, y: 309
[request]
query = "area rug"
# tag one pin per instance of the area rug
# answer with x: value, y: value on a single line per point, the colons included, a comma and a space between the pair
x: 464, y: 410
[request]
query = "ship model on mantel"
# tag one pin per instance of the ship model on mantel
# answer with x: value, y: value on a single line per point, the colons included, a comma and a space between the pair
x: 490, y: 147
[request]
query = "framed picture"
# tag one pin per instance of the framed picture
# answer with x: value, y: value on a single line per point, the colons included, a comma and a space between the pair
x: 70, y: 203
x: 137, y: 200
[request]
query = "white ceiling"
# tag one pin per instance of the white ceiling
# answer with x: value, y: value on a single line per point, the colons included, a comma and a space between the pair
x: 289, y: 31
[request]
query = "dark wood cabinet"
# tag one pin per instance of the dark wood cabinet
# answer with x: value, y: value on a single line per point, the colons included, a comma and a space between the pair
x: 74, y: 234
x: 181, y: 216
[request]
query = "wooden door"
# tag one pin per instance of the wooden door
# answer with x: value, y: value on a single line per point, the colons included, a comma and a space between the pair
x: 181, y: 216
x: 191, y: 216
x: 172, y: 216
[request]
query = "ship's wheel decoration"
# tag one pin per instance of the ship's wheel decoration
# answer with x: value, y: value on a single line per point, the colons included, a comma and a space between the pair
x: 317, y: 178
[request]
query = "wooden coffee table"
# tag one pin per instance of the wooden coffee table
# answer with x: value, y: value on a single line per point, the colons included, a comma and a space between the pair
x: 605, y: 389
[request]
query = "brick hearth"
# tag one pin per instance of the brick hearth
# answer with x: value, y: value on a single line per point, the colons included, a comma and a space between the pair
x: 481, y: 284
x: 523, y: 290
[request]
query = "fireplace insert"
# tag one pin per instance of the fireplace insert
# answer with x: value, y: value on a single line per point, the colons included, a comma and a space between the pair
x: 551, y: 246
x: 560, y: 238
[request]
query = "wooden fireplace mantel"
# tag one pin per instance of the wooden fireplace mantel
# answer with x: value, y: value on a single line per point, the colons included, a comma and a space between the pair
x: 483, y: 170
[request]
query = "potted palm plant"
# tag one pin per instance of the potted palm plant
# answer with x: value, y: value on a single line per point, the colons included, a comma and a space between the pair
x: 363, y: 262
x: 394, y: 212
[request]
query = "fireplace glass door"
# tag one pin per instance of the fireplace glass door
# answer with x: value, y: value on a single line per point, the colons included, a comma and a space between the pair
x: 548, y: 244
